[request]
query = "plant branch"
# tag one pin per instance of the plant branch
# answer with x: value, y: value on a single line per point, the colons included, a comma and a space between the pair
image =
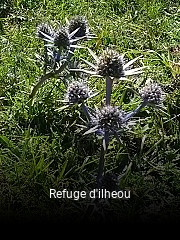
x: 51, y: 74
x: 133, y: 113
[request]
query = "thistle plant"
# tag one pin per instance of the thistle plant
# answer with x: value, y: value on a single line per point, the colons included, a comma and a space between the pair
x: 59, y: 47
x: 109, y: 120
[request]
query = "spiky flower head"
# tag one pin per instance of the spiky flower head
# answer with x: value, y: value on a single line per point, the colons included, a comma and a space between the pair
x: 151, y: 93
x: 61, y: 39
x: 77, y: 92
x: 109, y: 117
x: 110, y: 63
x: 78, y: 22
x: 45, y: 29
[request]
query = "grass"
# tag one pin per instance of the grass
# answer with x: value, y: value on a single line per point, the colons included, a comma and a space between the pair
x: 40, y: 147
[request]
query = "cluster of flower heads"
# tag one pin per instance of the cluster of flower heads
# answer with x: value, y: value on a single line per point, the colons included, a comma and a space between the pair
x: 111, y: 118
x: 108, y: 120
x: 76, y: 28
x: 57, y: 42
x: 110, y: 65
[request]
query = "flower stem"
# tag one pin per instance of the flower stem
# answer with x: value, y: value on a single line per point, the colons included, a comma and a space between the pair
x: 133, y: 113
x: 109, y: 83
x: 85, y: 110
x: 102, y: 159
x: 45, y: 59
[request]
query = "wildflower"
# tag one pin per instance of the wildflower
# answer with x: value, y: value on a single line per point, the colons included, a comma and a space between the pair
x: 61, y: 38
x: 110, y: 64
x: 78, y: 22
x: 77, y: 92
x: 151, y: 93
x: 107, y: 119
x: 108, y: 116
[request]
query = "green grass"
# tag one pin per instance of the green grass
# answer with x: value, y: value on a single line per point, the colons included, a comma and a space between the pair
x: 40, y: 147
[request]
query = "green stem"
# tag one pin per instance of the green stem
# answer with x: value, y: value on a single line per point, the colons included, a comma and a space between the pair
x: 46, y: 77
x: 101, y: 167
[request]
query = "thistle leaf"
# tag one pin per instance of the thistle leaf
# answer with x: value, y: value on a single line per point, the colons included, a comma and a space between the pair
x: 82, y: 70
x: 77, y: 46
x: 81, y: 126
x: 48, y: 38
x: 94, y: 94
x: 62, y: 108
x: 77, y: 39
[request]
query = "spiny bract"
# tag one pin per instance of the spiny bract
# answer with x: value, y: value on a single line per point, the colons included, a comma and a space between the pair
x: 44, y: 28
